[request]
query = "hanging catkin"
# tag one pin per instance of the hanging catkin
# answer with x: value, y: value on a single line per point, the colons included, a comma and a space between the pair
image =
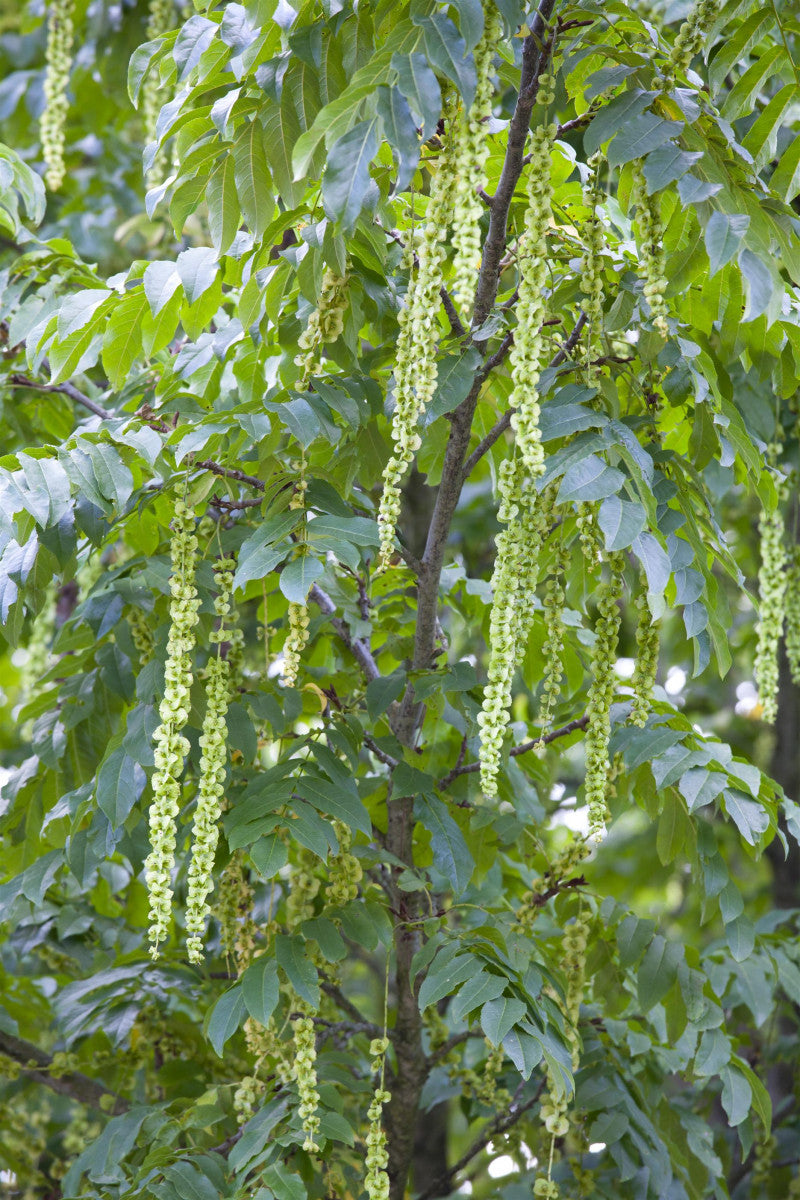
x: 473, y: 151
x: 60, y: 32
x: 211, y: 786
x: 415, y: 371
x: 171, y: 747
x: 772, y: 579
x: 601, y: 693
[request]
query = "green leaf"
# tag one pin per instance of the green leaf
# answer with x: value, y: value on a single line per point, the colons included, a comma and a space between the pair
x: 400, y: 131
x: 300, y: 971
x: 639, y: 136
x: 475, y: 993
x: 383, y: 691
x: 664, y: 166
x: 224, y: 1018
x: 269, y: 854
x: 591, y: 478
x: 336, y: 799
x: 786, y: 176
x: 347, y: 184
x: 723, y: 236
x: 621, y: 522
x: 736, y: 1095
x: 419, y: 85
x: 161, y: 282
x: 223, y: 205
x: 451, y: 854
x: 444, y: 976
x: 253, y: 183
x: 297, y: 577
x: 447, y: 52
x: 614, y: 116
x: 198, y: 269
x: 658, y: 971
x: 327, y: 937
x: 524, y: 1051
x: 120, y: 783
x: 749, y: 817
x: 761, y: 286
x: 122, y: 341
x: 498, y: 1016
x: 260, y: 988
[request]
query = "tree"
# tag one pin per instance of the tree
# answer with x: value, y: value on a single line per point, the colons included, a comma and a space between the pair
x: 391, y: 397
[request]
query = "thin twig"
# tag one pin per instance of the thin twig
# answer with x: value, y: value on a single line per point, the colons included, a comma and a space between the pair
x: 358, y: 647
x: 66, y: 389
x: 554, y: 735
x: 443, y: 1185
x: 501, y: 425
x: 37, y: 1066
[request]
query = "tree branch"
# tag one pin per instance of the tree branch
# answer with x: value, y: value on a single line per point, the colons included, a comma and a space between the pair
x: 66, y: 389
x: 470, y: 768
x: 71, y: 1083
x: 443, y: 1185
x: 357, y: 646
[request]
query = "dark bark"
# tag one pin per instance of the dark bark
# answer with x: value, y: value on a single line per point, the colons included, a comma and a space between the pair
x: 36, y: 1066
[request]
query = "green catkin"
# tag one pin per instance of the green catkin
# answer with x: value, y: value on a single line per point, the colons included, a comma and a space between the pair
x: 648, y: 634
x: 591, y: 267
x: 60, y: 32
x: 794, y: 1188
x: 171, y: 747
x: 689, y: 41
x: 589, y: 534
x: 601, y: 693
x: 376, y: 1181
x: 651, y: 251
x: 554, y: 600
x: 505, y: 618
x: 526, y: 352
x: 763, y: 1163
x: 305, y: 1076
x: 792, y: 605
x: 553, y: 1111
x: 344, y: 869
x: 297, y: 619
x: 771, y: 596
x: 472, y: 153
x: 416, y: 370
x: 141, y: 635
x: 161, y: 17
x: 211, y: 786
x: 324, y: 326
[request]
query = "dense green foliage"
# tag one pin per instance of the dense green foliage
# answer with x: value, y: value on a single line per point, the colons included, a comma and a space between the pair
x: 395, y: 398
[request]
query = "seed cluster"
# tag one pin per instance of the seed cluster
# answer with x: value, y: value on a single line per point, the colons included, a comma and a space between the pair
x: 416, y: 370
x: 771, y: 596
x: 141, y: 635
x: 472, y: 153
x: 60, y: 32
x: 344, y: 869
x: 325, y: 324
x: 648, y: 635
x: 40, y: 640
x: 554, y: 1108
x: 793, y: 615
x: 652, y: 257
x: 377, y: 1160
x: 211, y: 788
x: 554, y: 599
x: 601, y: 693
x: 526, y: 351
x: 171, y: 747
x: 691, y: 36
x: 522, y: 512
x: 305, y: 1076
x: 591, y: 267
x: 297, y: 619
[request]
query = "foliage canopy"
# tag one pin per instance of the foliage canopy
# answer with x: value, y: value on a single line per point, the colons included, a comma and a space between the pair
x: 390, y: 394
